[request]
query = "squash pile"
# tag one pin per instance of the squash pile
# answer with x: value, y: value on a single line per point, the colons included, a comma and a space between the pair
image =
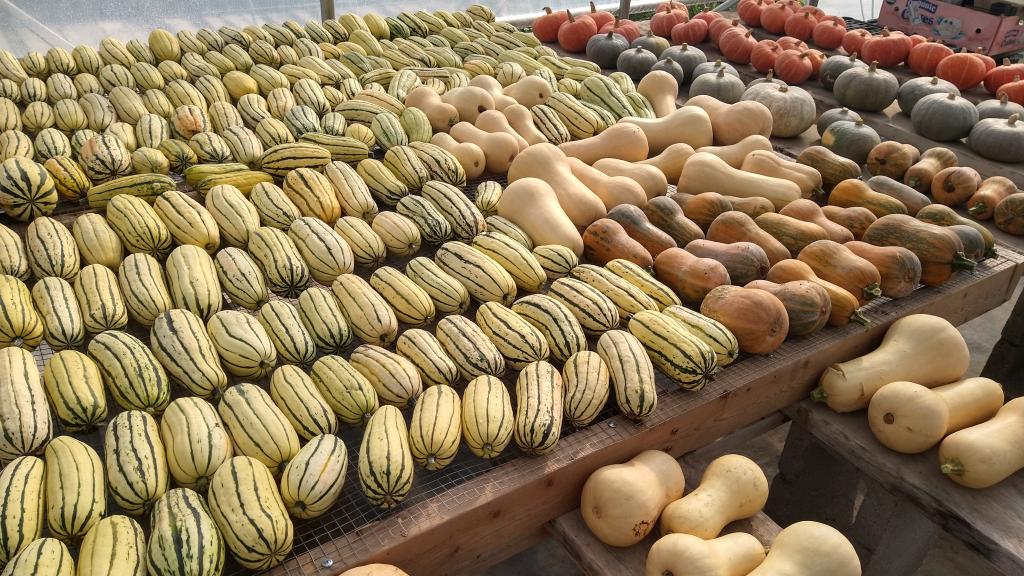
x: 914, y: 406
x: 622, y: 503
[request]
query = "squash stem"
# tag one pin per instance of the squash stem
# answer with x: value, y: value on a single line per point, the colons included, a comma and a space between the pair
x: 818, y: 394
x: 962, y: 262
x: 859, y: 318
x: 819, y: 195
x: 952, y: 467
x: 872, y: 291
x: 992, y: 253
x: 978, y: 208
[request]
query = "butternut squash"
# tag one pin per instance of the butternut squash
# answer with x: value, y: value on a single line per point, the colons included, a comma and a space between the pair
x: 690, y: 277
x: 913, y: 200
x: 470, y: 156
x: 920, y: 175
x: 533, y: 205
x: 703, y: 208
x: 757, y: 318
x: 708, y: 173
x: 442, y: 116
x: 661, y: 90
x: 745, y: 261
x: 650, y: 178
x: 546, y: 162
x: 493, y: 88
x: 832, y: 167
x: 982, y: 205
x: 500, y: 149
x: 606, y: 240
x: 953, y: 186
x: 736, y: 226
x: 837, y: 264
x: 495, y: 122
x: 810, y: 548
x: 375, y: 570
x: 752, y: 206
x: 945, y: 216
x: 687, y: 125
x: 469, y: 101
x: 768, y: 163
x: 612, y: 190
x: 792, y: 233
x: 664, y: 213
x: 892, y: 159
x: 910, y: 418
x: 623, y: 141
x: 735, y: 154
x: 988, y: 453
x: 521, y: 120
x: 808, y: 211
x: 856, y: 219
x: 733, y: 554
x: 917, y: 348
x: 733, y: 487
x: 899, y: 268
x: 845, y: 306
x: 634, y: 221
x: 941, y: 254
x: 670, y: 161
x: 620, y: 503
x: 732, y: 123
x: 849, y: 193
x: 529, y: 91
x: 807, y: 304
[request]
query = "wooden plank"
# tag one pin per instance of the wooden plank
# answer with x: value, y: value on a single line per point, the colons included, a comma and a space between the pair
x: 459, y: 529
x: 988, y: 521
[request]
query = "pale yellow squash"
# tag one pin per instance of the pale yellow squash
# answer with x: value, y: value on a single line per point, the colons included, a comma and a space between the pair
x: 533, y: 205
x: 521, y: 120
x: 499, y: 149
x: 661, y: 90
x: 986, y: 454
x: 495, y: 122
x: 470, y: 101
x: 735, y: 154
x: 810, y: 549
x: 546, y: 162
x: 705, y: 172
x: 612, y: 190
x: 623, y: 141
x: 671, y: 161
x: 732, y: 488
x: 493, y: 88
x: 530, y: 91
x: 442, y: 115
x: 685, y: 555
x: 470, y: 156
x: 688, y: 125
x: 375, y: 570
x: 650, y: 178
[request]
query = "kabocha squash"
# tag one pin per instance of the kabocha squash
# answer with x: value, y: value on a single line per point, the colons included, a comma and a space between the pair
x: 910, y: 418
x: 732, y: 123
x: 718, y: 85
x: 940, y: 353
x: 604, y: 49
x: 998, y: 108
x: 736, y: 553
x: 690, y: 277
x: 736, y: 226
x: 868, y: 89
x: 1009, y: 214
x: 808, y: 305
x: 732, y: 487
x: 944, y: 117
x: 606, y: 240
x: 636, y: 225
x: 845, y: 306
x: 835, y: 65
x: 768, y: 163
x: 636, y: 62
x: 546, y: 162
x: 745, y: 261
x: 709, y: 173
x: 851, y: 192
x: 997, y: 139
x: 941, y: 254
x: 833, y: 262
x: 914, y: 90
x: 832, y: 167
x: 792, y: 108
x: 619, y: 514
x: 913, y: 200
x: 687, y: 125
x: 898, y: 267
x: 793, y: 553
x: 920, y: 175
x: 794, y: 234
x: 533, y: 205
x: 735, y: 154
x: 808, y: 211
x: 946, y: 216
x: 985, y: 454
x: 853, y: 140
x: 993, y: 190
x: 665, y: 213
x: 757, y: 319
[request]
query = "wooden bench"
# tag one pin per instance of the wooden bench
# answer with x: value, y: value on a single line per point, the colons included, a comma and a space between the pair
x: 599, y: 559
x: 891, y: 505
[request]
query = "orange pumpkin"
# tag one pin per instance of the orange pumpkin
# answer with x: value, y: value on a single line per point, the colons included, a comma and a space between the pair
x: 662, y: 23
x: 916, y: 39
x: 801, y: 25
x: 828, y: 34
x: 925, y: 57
x: 764, y: 54
x: 774, y: 16
x: 601, y: 17
x: 793, y: 67
x: 963, y: 69
x: 737, y: 45
x: 574, y: 33
x: 888, y: 49
x: 672, y: 5
x: 814, y: 11
x: 749, y: 12
x: 817, y: 58
x: 1003, y: 74
x: 987, y: 60
x: 718, y: 27
x: 545, y: 27
x: 693, y: 32
x: 709, y: 17
x: 623, y: 27
x: 1014, y: 91
x: 854, y: 40
x: 790, y: 43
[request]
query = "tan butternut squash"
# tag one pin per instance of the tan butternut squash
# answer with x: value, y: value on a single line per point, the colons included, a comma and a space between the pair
x: 499, y: 149
x: 442, y: 115
x: 912, y: 199
x: 752, y: 206
x: 690, y: 277
x: 845, y: 306
x: 810, y: 548
x: 493, y: 88
x: 920, y: 175
x: 733, y: 554
x: 623, y: 141
x: 708, y: 173
x: 910, y: 418
x: 735, y: 154
x: 853, y: 192
x: 736, y: 226
x: 832, y: 167
x: 533, y: 205
x: 494, y: 122
x: 807, y: 304
x: 664, y: 213
x: 634, y: 221
x: 808, y: 211
x: 671, y: 161
x: 375, y: 570
x: 855, y: 219
x: 650, y: 178
x: 734, y: 122
x: 745, y: 261
x: 988, y: 453
x: 837, y: 264
x: 687, y: 125
x: 529, y: 91
x: 469, y: 101
x: 794, y: 234
x: 620, y: 503
x: 521, y: 120
x: 768, y: 163
x: 470, y: 156
x: 899, y: 268
x: 612, y: 190
x: 733, y: 487
x: 661, y: 89
x: 982, y: 205
x: 917, y: 348
x: 757, y: 318
x: 546, y: 162
x: 703, y: 208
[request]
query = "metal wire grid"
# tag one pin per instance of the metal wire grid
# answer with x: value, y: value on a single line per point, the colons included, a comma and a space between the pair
x: 869, y: 25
